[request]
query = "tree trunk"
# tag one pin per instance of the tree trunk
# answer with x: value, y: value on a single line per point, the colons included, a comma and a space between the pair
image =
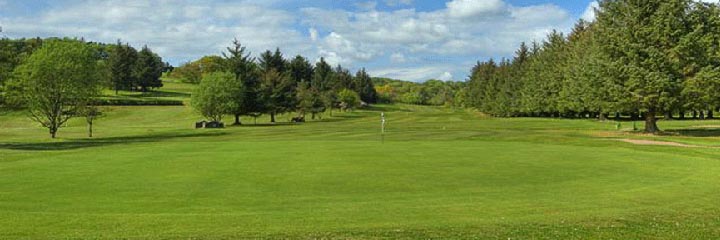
x: 53, y: 133
x: 617, y: 116
x: 272, y: 117
x: 668, y: 116
x: 702, y: 115
x: 682, y: 115
x: 90, y: 124
x: 695, y: 115
x: 710, y: 114
x: 603, y: 117
x: 237, y: 120
x: 313, y: 116
x: 651, y: 123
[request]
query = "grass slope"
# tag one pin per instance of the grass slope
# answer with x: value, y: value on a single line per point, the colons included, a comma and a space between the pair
x: 441, y: 173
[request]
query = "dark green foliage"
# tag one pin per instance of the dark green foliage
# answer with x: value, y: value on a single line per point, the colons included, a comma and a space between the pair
x: 122, y: 62
x: 322, y: 79
x: 637, y: 57
x: 278, y: 87
x: 342, y: 79
x: 245, y: 70
x: 148, y: 70
x: 365, y: 87
x: 301, y: 70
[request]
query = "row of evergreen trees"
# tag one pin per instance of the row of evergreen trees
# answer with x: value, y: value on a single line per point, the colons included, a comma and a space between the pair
x: 273, y: 85
x: 131, y: 70
x: 638, y: 58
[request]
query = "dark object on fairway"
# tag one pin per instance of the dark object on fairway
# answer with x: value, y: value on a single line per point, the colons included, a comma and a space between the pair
x: 206, y: 124
x: 298, y: 119
x: 214, y: 125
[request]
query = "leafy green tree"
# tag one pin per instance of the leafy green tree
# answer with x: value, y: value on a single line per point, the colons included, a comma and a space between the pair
x: 349, y: 99
x: 210, y: 64
x: 90, y: 112
x: 216, y: 95
x: 189, y: 72
x: 148, y: 70
x: 58, y: 80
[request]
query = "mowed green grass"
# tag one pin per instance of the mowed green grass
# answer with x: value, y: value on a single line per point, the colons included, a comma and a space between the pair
x: 440, y: 173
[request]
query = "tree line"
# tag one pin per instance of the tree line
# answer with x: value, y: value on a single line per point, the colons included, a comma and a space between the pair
x: 58, y: 79
x: 431, y: 92
x: 240, y: 85
x: 638, y: 58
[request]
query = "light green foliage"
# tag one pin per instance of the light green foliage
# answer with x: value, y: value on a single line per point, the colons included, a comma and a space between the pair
x: 430, y: 92
x: 190, y: 72
x: 348, y: 99
x: 217, y: 95
x: 57, y: 80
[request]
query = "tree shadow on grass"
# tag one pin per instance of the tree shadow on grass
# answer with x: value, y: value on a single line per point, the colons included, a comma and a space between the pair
x: 386, y: 108
x: 698, y: 132
x: 287, y: 122
x: 154, y: 94
x: 99, y: 142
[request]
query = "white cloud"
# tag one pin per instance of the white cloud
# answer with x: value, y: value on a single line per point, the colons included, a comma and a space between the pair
x: 393, y: 3
x: 446, y: 76
x: 415, y: 73
x: 442, y: 40
x: 589, y: 14
x: 475, y: 8
x: 397, y: 58
x: 433, y: 32
x: 366, y: 6
x: 181, y: 31
x: 314, y: 35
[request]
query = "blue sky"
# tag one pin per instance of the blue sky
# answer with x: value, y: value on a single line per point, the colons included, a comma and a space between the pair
x: 407, y: 39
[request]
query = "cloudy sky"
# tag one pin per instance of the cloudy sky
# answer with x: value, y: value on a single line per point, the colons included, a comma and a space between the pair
x: 405, y: 39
